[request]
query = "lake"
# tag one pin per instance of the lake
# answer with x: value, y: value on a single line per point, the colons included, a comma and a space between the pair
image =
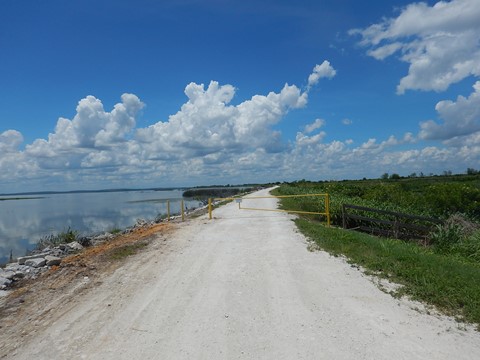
x: 24, y: 222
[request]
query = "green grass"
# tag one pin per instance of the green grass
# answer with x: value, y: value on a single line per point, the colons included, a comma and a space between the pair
x: 445, y: 281
x: 126, y: 250
x: 115, y: 231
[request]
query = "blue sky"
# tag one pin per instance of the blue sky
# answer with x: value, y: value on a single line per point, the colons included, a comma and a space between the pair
x: 105, y: 94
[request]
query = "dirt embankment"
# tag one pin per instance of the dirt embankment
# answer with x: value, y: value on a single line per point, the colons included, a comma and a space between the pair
x: 33, y: 304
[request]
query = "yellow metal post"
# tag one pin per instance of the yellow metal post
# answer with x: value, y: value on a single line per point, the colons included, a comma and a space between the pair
x: 210, y: 208
x: 327, y: 208
x: 183, y: 212
x: 168, y: 210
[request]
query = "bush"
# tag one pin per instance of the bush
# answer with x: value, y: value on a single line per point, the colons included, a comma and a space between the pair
x: 448, y: 198
x: 445, y: 237
x: 458, y: 235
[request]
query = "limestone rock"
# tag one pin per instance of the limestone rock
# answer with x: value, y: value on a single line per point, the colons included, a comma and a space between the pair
x: 23, y: 259
x: 36, y: 263
x: 19, y: 275
x: 52, y: 260
x: 74, y: 246
x: 141, y: 223
x: 4, y: 282
x: 7, y: 274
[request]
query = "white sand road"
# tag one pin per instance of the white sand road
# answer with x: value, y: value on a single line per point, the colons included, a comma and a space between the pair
x: 244, y: 286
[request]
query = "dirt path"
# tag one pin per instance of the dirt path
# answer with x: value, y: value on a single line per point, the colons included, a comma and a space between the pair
x: 242, y: 286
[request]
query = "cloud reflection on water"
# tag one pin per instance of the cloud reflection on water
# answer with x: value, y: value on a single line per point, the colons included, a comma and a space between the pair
x: 24, y: 222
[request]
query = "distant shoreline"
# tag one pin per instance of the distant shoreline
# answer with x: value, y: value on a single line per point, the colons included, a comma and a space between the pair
x: 22, y: 198
x: 90, y: 191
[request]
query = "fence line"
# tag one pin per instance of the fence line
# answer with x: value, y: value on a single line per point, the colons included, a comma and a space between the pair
x: 397, y: 227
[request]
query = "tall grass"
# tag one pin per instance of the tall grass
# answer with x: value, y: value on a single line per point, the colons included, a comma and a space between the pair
x: 67, y: 236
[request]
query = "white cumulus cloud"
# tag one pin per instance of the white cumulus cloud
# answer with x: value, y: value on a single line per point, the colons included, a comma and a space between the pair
x: 92, y: 127
x: 210, y: 139
x: 440, y: 42
x: 317, y: 124
x: 10, y: 140
x: 460, y: 118
x: 324, y: 70
x: 207, y: 123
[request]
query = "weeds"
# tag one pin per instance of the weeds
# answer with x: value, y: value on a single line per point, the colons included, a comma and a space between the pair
x: 457, y: 236
x: 67, y: 236
x: 115, y: 231
x: 127, y: 250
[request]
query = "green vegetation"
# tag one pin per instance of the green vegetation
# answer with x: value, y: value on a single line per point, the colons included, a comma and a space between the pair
x: 67, y: 236
x: 443, y: 270
x: 115, y: 231
x: 127, y: 250
x: 457, y: 236
x: 436, y: 197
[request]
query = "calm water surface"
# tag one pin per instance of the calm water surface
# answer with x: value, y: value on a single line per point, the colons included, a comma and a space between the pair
x: 24, y: 222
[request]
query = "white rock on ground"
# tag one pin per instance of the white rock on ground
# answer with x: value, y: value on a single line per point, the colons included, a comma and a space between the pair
x: 4, y: 282
x: 21, y: 260
x: 74, y: 245
x: 52, y: 260
x: 36, y: 263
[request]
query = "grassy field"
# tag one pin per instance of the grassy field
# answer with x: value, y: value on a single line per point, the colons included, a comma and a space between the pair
x: 445, y: 274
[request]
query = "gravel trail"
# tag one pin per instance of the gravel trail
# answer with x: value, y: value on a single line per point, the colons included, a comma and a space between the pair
x: 244, y: 286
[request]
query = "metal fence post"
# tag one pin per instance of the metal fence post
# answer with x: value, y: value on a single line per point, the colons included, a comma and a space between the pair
x: 183, y: 212
x: 210, y: 208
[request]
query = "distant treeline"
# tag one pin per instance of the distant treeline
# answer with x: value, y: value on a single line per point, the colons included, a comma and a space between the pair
x: 215, y: 192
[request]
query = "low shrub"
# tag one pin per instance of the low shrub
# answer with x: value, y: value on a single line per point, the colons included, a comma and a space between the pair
x: 457, y: 235
x: 444, y: 237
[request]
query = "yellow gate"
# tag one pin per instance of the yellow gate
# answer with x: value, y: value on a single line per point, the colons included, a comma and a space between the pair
x: 239, y: 200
